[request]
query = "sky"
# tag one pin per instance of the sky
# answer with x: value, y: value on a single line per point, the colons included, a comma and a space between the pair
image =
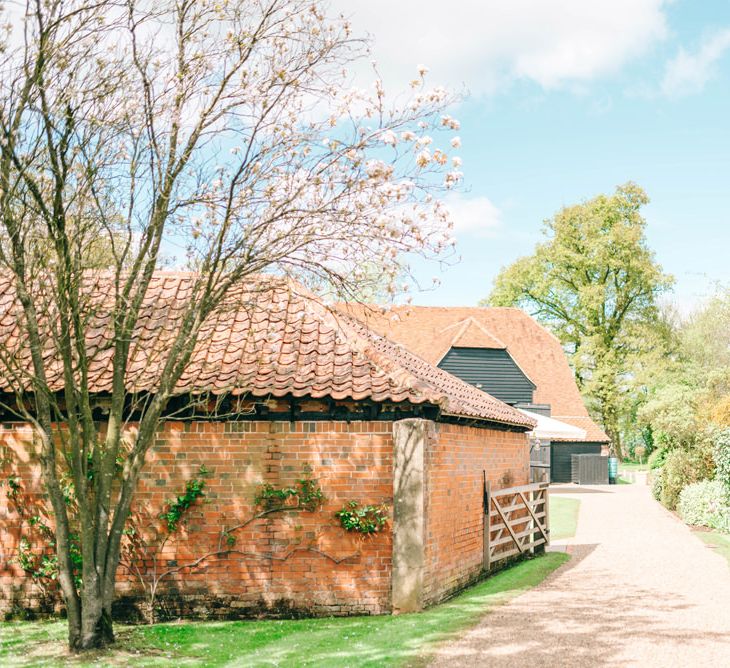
x: 567, y: 99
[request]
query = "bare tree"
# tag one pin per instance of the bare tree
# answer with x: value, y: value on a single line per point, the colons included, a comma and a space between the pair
x: 219, y: 136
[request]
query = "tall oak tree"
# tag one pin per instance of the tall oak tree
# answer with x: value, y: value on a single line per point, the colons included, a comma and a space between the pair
x: 594, y: 282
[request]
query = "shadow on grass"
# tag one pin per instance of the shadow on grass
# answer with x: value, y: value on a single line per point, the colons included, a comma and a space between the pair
x: 404, y: 640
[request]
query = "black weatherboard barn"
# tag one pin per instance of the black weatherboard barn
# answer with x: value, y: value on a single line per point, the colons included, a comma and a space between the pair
x: 507, y: 354
x: 492, y: 370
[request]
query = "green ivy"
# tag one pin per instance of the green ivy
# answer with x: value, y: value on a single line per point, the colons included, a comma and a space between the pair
x: 177, y: 507
x: 45, y: 565
x: 307, y: 492
x: 14, y: 489
x: 362, y: 519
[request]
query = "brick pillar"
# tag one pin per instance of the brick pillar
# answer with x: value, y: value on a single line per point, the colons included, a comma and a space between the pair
x: 409, y: 516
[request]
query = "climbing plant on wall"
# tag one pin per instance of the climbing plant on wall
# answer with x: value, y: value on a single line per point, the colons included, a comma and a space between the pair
x: 147, y: 536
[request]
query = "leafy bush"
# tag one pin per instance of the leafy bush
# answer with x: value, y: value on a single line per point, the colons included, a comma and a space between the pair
x: 671, y: 410
x: 657, y: 483
x: 722, y: 461
x: 703, y: 503
x: 656, y: 458
x: 681, y: 468
x: 362, y: 519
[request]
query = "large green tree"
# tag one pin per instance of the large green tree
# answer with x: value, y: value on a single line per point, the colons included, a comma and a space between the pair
x: 594, y: 282
x: 691, y: 393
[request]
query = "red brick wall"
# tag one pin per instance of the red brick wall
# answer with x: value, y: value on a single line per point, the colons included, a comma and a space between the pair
x: 301, y: 561
x: 455, y: 458
x: 16, y: 461
x: 295, y: 560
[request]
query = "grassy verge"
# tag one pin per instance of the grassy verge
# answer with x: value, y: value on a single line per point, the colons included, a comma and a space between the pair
x: 563, y: 517
x: 336, y: 642
x: 719, y: 541
x: 632, y: 466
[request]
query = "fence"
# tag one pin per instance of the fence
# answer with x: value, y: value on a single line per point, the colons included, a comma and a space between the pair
x: 516, y: 522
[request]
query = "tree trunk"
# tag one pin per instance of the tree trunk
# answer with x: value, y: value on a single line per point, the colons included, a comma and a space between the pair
x: 615, y: 446
x: 95, y: 629
x: 610, y: 421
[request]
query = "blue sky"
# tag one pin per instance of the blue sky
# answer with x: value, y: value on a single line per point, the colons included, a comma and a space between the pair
x: 568, y: 99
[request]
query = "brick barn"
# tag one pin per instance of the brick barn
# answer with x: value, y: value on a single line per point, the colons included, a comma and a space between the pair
x: 283, y: 390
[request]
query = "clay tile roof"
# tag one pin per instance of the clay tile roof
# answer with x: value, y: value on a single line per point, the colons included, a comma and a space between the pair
x: 267, y: 338
x: 471, y: 334
x: 430, y: 332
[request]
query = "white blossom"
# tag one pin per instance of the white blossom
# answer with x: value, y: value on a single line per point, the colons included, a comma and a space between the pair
x: 449, y: 122
x: 423, y: 158
x: 377, y: 169
x: 389, y: 137
x: 440, y: 157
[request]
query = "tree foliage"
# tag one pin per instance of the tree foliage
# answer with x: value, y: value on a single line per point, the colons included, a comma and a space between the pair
x: 689, y: 393
x: 594, y: 282
x: 686, y: 401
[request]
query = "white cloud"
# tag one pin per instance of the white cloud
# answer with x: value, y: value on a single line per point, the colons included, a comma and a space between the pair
x: 475, y: 216
x: 485, y: 44
x: 688, y: 72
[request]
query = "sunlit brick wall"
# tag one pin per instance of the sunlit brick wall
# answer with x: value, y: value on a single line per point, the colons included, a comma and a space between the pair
x: 455, y: 458
x: 285, y: 562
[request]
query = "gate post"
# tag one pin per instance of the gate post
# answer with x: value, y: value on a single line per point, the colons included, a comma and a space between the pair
x: 409, y: 521
x: 486, y: 524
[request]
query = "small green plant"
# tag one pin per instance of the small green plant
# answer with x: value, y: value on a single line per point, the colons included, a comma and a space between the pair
x: 271, y: 497
x: 178, y: 507
x: 362, y: 519
x: 41, y: 564
x: 307, y: 492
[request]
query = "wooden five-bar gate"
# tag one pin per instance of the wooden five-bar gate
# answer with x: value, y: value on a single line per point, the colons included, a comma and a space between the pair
x: 516, y: 522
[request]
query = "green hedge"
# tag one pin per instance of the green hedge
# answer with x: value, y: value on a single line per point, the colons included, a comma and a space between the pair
x: 656, y: 478
x: 656, y: 458
x: 679, y: 470
x: 722, y: 462
x: 704, y: 504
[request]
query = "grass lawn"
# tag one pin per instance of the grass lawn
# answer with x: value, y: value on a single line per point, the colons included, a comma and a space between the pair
x: 563, y: 517
x: 336, y: 642
x: 632, y: 466
x: 719, y: 541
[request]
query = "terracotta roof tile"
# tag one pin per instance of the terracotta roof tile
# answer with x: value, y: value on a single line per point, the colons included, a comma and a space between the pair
x: 430, y: 332
x: 267, y: 338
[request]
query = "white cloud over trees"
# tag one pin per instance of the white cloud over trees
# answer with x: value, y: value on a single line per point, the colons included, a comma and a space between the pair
x: 483, y: 45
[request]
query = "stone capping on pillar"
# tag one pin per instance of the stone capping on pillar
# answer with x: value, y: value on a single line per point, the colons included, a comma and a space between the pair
x: 409, y: 513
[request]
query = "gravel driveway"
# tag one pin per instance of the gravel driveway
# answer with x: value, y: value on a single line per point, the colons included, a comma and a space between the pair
x: 640, y: 590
